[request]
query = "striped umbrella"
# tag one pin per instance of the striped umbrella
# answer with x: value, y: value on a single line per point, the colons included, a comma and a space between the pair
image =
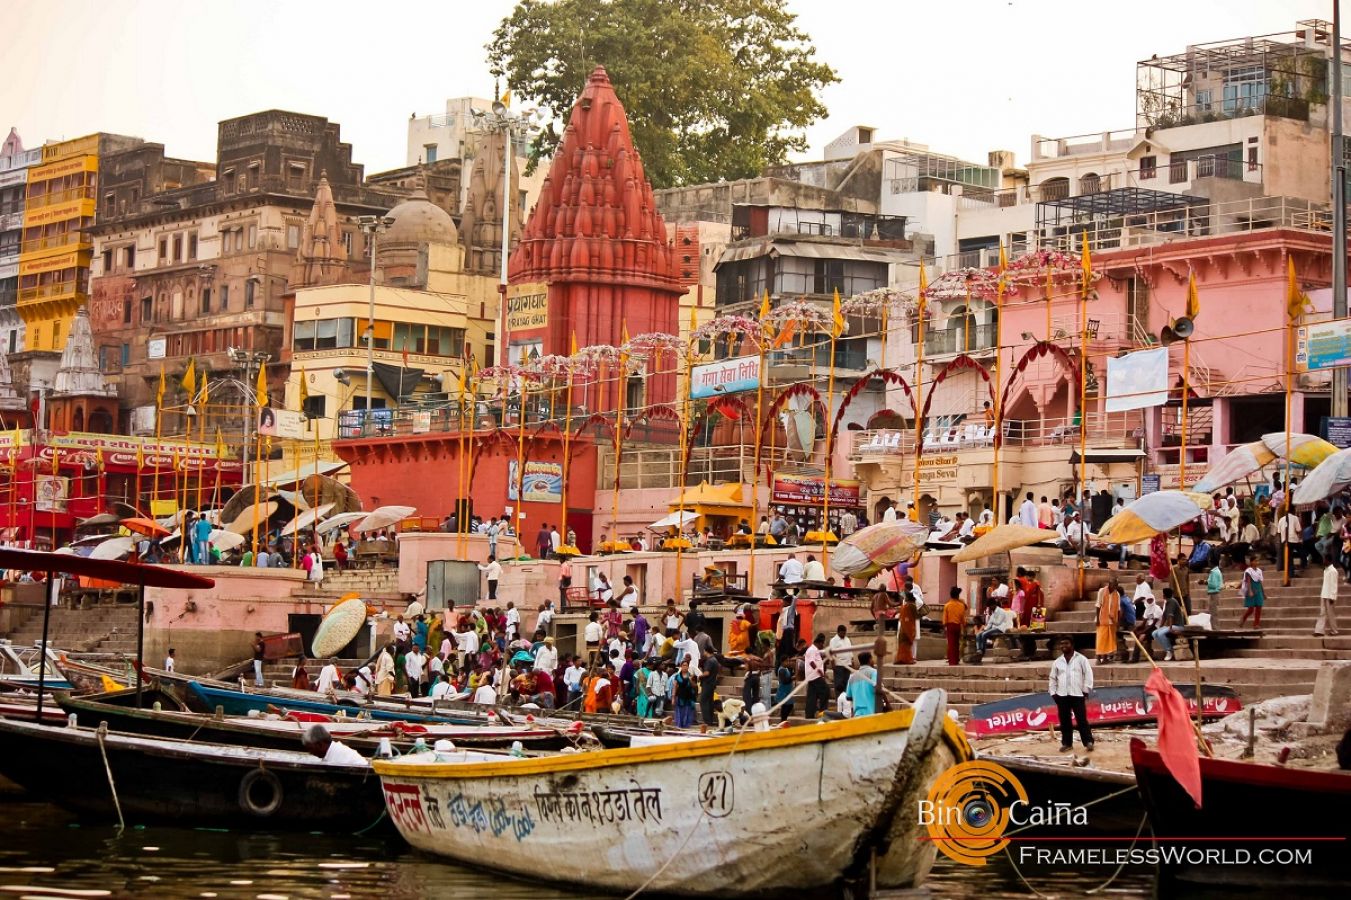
x: 1237, y: 463
x: 1327, y: 478
x: 1153, y: 513
x: 1306, y: 450
x: 869, y: 550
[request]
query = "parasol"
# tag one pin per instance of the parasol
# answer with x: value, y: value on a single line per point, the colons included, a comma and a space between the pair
x: 338, y: 626
x: 1305, y: 449
x: 675, y: 519
x: 98, y: 520
x: 306, y: 519
x: 1327, y: 478
x: 1238, y: 463
x: 383, y: 517
x: 146, y: 527
x: 244, y: 524
x: 225, y: 541
x: 1002, y: 539
x: 869, y: 550
x: 339, y: 520
x: 113, y: 548
x: 1155, y: 512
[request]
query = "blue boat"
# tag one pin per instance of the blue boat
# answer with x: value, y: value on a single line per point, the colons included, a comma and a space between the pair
x: 238, y: 703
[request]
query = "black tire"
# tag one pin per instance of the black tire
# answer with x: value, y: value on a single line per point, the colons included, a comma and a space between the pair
x: 260, y: 793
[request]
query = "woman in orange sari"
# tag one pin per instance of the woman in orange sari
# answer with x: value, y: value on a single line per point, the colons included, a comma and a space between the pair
x: 1108, y: 617
x: 739, y: 636
x: 907, y: 631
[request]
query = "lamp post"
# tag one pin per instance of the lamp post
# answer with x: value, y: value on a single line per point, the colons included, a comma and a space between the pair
x: 371, y: 226
x: 501, y: 120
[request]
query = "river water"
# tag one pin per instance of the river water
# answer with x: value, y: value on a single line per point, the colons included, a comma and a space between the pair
x: 45, y: 852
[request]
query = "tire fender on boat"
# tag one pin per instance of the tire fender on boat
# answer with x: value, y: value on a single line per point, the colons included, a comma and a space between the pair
x: 262, y: 782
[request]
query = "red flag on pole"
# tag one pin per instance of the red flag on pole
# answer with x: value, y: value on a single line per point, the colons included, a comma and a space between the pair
x: 1177, y: 741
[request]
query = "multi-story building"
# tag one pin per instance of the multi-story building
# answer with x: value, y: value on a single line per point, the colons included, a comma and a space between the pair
x: 60, y: 207
x: 188, y: 267
x: 14, y: 164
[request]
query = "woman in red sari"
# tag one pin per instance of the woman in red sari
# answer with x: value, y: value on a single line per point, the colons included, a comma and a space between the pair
x: 907, y: 631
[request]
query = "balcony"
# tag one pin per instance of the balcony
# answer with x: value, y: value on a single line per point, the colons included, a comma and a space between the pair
x: 1116, y: 430
x: 71, y: 239
x: 1044, y: 148
x: 974, y: 339
x: 62, y: 290
x: 52, y: 198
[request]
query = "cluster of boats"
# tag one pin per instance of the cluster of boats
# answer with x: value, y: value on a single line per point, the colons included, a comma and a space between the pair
x: 471, y: 784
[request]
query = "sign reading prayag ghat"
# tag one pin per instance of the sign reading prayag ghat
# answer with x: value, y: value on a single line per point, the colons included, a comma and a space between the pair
x: 528, y: 309
x: 726, y: 376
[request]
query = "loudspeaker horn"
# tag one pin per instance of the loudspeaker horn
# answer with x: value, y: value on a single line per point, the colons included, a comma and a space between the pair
x: 1183, y: 327
x: 1167, y: 335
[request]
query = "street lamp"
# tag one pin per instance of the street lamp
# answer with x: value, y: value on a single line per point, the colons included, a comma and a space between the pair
x: 511, y: 126
x: 371, y: 226
x: 248, y: 360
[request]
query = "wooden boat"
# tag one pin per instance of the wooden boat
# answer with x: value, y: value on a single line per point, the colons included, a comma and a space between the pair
x: 797, y: 810
x: 1247, y: 808
x: 284, y: 733
x: 233, y: 702
x: 187, y: 783
x: 19, y: 669
x: 1126, y: 705
x: 25, y: 706
x: 1113, y: 802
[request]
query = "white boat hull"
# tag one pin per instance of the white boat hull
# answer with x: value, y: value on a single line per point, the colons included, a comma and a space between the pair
x: 756, y: 814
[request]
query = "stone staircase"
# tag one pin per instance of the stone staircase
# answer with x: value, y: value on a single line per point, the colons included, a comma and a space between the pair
x: 100, y: 629
x: 380, y: 584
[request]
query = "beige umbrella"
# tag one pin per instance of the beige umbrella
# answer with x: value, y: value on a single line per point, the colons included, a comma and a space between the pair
x: 340, y: 520
x: 225, y: 541
x: 383, y: 517
x: 113, y: 548
x: 244, y: 523
x: 1000, y: 540
x: 306, y: 519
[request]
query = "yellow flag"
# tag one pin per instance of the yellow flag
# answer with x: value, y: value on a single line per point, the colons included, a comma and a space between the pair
x: 694, y: 321
x: 220, y: 445
x: 206, y: 393
x: 624, y: 337
x: 1086, y: 259
x: 764, y: 307
x: 1294, y: 297
x: 837, y: 323
x: 1003, y: 267
x: 98, y: 458
x: 1193, y: 301
x: 56, y: 459
x: 304, y: 389
x: 923, y: 287
x: 506, y: 97
x: 261, y: 387
x: 572, y: 351
x: 176, y: 459
x: 190, y: 378
x: 159, y: 394
x: 140, y: 457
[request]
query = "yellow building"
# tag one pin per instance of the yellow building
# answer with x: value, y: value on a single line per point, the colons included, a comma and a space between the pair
x: 54, y: 256
x: 429, y: 315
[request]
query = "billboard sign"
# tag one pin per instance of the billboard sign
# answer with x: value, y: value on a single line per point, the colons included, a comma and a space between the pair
x: 726, y: 376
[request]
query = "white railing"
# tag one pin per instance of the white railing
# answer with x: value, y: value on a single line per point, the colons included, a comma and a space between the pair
x: 1109, y: 429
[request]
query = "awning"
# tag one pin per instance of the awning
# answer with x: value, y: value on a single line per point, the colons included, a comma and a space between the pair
x: 398, y: 382
x: 810, y: 250
x: 1127, y: 454
x: 683, y: 517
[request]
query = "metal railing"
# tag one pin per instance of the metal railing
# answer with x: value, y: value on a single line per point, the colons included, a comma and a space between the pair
x: 1123, y: 429
x: 1082, y: 144
x: 48, y: 291
x: 959, y: 339
x: 51, y: 198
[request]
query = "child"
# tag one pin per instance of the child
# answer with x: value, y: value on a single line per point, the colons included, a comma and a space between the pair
x: 785, y: 688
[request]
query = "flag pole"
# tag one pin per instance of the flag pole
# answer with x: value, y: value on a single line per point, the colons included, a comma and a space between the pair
x: 519, y: 512
x: 836, y: 329
x: 159, y: 422
x: 201, y: 439
x: 920, y: 309
x: 1293, y: 305
x: 998, y: 389
x: 762, y: 340
x: 567, y: 439
x: 461, y: 508
x: 1086, y: 262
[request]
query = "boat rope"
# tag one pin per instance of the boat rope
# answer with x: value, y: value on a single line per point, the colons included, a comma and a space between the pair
x: 101, y: 733
x: 1102, y: 887
x: 1111, y: 796
x: 384, y: 812
x: 703, y: 811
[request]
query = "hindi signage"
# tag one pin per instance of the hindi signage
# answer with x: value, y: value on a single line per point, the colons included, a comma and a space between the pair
x: 1338, y: 430
x: 282, y: 423
x: 1324, y: 345
x: 809, y: 490
x: 726, y: 376
x: 527, y: 307
x: 543, y: 482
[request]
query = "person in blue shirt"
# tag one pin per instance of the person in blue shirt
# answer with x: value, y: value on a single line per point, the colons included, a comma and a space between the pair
x: 201, y: 537
x: 862, y: 687
x: 1126, y: 623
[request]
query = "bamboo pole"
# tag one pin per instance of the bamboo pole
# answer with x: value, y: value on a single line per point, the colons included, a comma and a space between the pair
x: 680, y: 469
x: 619, y: 449
x: 461, y: 508
x: 1083, y: 413
x: 920, y: 310
x: 220, y: 459
x: 567, y: 442
x: 518, y: 513
x: 1186, y: 389
x: 998, y: 389
x: 1289, y: 402
x: 759, y: 435
x: 826, y: 534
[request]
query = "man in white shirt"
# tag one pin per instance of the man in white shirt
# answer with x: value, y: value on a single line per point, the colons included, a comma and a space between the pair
x: 413, y: 664
x: 402, y: 632
x: 1072, y: 535
x: 1327, y: 597
x: 791, y: 570
x: 485, y: 695
x: 545, y: 621
x: 1290, y: 533
x: 169, y: 660
x: 890, y: 514
x: 466, y: 641
x: 546, y: 657
x: 1000, y: 621
x: 436, y: 667
x: 318, y: 742
x: 814, y: 670
x: 686, y: 648
x: 1143, y: 589
x: 591, y: 634
x: 987, y: 516
x: 604, y: 593
x: 841, y: 659
x: 513, y: 616
x: 1071, y: 681
x: 848, y: 523
x: 813, y: 570
x: 328, y: 677
x: 555, y: 540
x: 492, y: 570
x: 572, y: 680
x: 967, y: 532
x: 628, y: 595
x: 1027, y: 513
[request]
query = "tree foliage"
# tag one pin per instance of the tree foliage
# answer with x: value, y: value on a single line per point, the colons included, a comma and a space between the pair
x: 714, y: 89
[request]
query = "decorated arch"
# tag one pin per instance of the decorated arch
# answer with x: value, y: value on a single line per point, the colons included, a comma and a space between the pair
x: 1035, y: 352
x: 888, y: 376
x: 962, y: 361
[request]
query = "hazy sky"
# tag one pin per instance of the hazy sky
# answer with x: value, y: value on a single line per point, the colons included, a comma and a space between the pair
x: 963, y: 76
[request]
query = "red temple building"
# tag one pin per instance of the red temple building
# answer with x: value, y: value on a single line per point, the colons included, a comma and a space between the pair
x: 593, y: 262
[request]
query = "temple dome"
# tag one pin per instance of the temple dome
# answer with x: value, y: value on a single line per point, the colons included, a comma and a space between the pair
x: 417, y: 220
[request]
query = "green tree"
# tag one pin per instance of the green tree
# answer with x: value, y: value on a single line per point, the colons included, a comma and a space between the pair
x: 714, y: 89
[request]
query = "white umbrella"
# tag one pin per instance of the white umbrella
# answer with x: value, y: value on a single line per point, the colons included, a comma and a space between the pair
x: 683, y: 517
x: 113, y: 548
x: 1326, y: 479
x: 383, y: 517
x: 244, y: 524
x: 224, y: 541
x: 339, y: 520
x: 306, y: 519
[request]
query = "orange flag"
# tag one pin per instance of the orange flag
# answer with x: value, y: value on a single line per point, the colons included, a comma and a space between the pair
x: 1177, y: 740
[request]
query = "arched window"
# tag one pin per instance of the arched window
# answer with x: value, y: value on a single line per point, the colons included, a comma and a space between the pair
x: 1090, y: 184
x: 1054, y: 189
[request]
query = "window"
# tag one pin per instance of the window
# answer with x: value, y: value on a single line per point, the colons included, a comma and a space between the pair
x: 163, y: 249
x: 56, y: 335
x: 429, y: 151
x: 228, y: 179
x: 292, y: 236
x: 1252, y: 159
x: 178, y: 248
x: 326, y: 334
x: 239, y: 239
x: 109, y: 199
x: 249, y: 287
x: 1203, y: 101
x: 253, y: 236
x: 131, y: 256
x: 225, y: 298
x: 126, y: 312
x: 1245, y: 88
x: 107, y: 261
x: 192, y: 245
x: 302, y: 336
x: 295, y: 175
x: 147, y: 310
x: 206, y: 299
x: 14, y: 341
x: 315, y: 406
x: 103, y: 358
x: 126, y: 355
x: 408, y: 337
x: 347, y: 243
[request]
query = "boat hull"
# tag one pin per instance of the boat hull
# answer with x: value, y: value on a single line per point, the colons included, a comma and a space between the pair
x: 1248, y: 808
x: 769, y: 813
x: 192, y: 784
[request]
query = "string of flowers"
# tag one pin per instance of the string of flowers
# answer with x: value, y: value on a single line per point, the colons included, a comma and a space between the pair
x: 653, y: 342
x: 800, y: 313
x: 1036, y: 264
x: 596, y: 354
x: 959, y: 284
x: 551, y: 366
x: 870, y: 303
